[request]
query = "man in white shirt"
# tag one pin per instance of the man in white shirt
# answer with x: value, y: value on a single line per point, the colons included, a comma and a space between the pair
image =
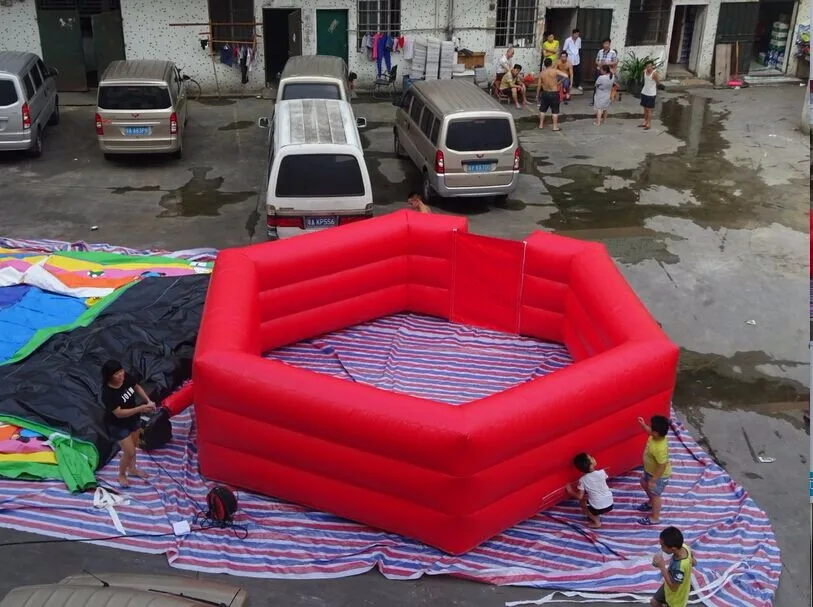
x: 573, y: 47
x: 504, y: 64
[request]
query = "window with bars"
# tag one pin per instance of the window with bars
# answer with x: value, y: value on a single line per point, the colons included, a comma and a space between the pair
x: 378, y: 16
x: 232, y: 22
x: 85, y: 7
x: 648, y: 22
x: 516, y: 23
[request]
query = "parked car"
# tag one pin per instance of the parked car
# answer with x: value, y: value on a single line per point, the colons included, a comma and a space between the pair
x: 28, y: 101
x: 316, y: 176
x: 132, y: 590
x: 141, y: 108
x: 462, y: 141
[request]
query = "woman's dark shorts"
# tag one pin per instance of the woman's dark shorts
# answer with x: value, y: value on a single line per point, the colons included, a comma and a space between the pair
x: 118, y: 433
x: 648, y: 101
x: 549, y: 101
x: 596, y: 512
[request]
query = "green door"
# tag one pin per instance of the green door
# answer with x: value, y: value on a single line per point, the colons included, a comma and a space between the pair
x: 61, y: 36
x: 331, y: 33
x: 108, y: 39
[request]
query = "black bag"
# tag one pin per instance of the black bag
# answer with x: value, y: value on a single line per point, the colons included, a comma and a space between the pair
x: 156, y: 431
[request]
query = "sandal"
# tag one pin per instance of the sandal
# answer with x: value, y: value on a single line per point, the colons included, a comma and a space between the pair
x: 645, y: 507
x: 647, y: 522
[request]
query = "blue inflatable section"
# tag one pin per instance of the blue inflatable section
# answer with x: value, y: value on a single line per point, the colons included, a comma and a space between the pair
x: 24, y: 310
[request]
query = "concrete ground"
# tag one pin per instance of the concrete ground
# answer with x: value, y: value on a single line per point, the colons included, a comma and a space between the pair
x: 706, y: 215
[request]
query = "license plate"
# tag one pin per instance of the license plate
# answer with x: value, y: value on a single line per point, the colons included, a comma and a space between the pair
x: 478, y: 167
x: 136, y: 130
x: 320, y: 222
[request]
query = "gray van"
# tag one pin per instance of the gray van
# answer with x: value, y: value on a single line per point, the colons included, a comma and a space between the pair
x: 141, y: 108
x: 462, y: 140
x: 314, y: 77
x: 28, y: 101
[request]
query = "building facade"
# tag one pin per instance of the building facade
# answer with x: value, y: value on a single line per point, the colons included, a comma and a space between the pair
x: 206, y: 37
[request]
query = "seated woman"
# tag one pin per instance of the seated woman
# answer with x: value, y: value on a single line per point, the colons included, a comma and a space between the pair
x: 119, y: 392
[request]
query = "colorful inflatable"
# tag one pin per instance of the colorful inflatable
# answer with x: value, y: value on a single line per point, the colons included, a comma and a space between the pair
x: 449, y: 476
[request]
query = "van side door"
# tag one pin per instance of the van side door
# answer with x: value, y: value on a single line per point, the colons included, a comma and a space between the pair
x: 423, y: 140
x: 413, y: 133
x: 179, y: 94
x: 49, y: 88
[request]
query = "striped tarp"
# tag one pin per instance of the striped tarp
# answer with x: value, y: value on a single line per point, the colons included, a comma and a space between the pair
x: 554, y: 550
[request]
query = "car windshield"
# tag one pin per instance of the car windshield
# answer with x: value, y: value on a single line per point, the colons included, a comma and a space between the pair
x: 134, y: 97
x: 481, y: 134
x: 338, y: 175
x: 310, y: 90
x: 8, y: 94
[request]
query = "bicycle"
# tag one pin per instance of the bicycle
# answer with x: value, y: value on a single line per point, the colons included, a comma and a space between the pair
x: 193, y: 92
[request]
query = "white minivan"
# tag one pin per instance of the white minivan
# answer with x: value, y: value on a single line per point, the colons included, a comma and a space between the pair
x: 316, y: 175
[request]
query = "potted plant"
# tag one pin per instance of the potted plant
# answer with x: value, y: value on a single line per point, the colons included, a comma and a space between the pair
x: 631, y: 71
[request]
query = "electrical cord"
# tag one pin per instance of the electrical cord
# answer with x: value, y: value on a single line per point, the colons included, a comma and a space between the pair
x: 203, y: 518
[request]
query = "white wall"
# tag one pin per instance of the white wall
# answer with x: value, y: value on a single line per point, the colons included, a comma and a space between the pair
x: 18, y: 28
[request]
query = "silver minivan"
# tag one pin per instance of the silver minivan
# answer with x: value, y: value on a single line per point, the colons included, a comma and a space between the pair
x: 462, y: 141
x: 141, y: 108
x: 314, y: 77
x: 28, y: 101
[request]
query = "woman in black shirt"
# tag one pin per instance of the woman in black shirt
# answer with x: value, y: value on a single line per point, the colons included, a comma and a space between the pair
x: 119, y: 391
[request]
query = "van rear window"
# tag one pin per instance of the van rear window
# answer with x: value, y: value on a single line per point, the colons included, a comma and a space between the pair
x: 134, y: 98
x: 480, y: 134
x: 310, y: 90
x: 8, y: 94
x: 319, y: 176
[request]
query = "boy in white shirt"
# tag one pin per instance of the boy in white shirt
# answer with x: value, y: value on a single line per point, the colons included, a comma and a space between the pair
x: 595, y: 497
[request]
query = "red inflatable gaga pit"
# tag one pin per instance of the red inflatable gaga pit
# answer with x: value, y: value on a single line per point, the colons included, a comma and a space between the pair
x: 451, y: 477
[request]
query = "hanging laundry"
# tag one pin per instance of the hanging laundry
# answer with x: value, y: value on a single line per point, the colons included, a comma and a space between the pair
x: 383, y: 52
x: 409, y: 47
x: 376, y: 40
x: 249, y: 57
x: 244, y: 64
x: 226, y: 55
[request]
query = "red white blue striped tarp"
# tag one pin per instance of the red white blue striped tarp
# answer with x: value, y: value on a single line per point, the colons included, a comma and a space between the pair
x: 553, y: 550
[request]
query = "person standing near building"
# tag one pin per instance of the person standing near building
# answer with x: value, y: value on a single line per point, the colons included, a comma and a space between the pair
x: 548, y: 87
x: 573, y: 48
x: 550, y: 48
x: 648, y: 92
x: 564, y: 66
x: 607, y: 56
x: 601, y: 94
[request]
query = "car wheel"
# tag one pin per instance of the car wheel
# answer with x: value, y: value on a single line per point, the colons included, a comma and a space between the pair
x: 426, y: 189
x: 178, y: 154
x: 108, y: 157
x: 399, y: 152
x: 54, y: 119
x: 37, y: 146
x: 501, y: 199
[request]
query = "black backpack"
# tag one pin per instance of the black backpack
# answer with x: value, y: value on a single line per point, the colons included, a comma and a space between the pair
x: 156, y: 431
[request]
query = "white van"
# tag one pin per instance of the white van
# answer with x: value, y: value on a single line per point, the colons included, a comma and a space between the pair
x: 314, y: 77
x: 316, y: 176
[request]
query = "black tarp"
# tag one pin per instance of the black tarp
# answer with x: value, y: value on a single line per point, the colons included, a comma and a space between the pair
x: 151, y: 329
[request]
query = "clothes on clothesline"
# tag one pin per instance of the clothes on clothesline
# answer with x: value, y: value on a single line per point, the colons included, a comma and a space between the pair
x: 238, y: 55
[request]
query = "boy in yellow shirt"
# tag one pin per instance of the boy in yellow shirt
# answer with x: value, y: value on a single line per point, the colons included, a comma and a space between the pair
x: 657, y: 468
x: 676, y: 572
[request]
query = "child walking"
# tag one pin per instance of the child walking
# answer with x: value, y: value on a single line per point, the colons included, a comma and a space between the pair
x: 657, y: 468
x: 595, y: 497
x: 676, y: 572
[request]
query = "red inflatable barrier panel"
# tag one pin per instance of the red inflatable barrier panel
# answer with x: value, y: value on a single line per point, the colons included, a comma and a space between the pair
x: 449, y: 476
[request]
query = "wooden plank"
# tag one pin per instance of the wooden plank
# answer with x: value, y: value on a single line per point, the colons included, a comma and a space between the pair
x: 722, y: 64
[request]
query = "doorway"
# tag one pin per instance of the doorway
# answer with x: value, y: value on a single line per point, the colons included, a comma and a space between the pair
x: 685, y: 44
x: 331, y: 33
x: 594, y: 25
x: 560, y: 22
x: 276, y: 34
x: 772, y: 38
x: 80, y: 38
